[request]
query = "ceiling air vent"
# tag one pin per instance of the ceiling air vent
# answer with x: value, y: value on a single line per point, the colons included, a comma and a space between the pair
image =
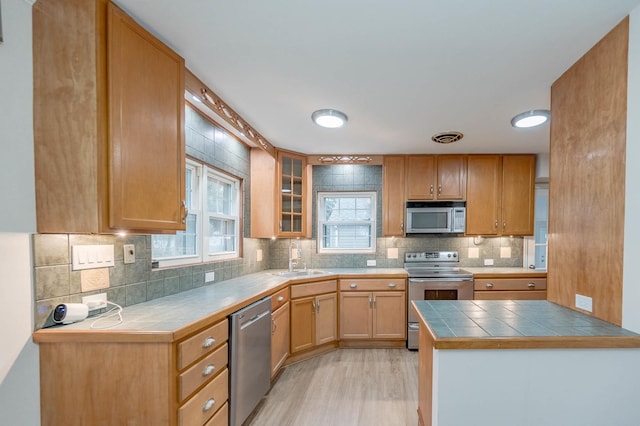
x: 447, y: 137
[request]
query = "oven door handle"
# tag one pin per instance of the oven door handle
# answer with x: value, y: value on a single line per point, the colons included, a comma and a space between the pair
x: 430, y: 280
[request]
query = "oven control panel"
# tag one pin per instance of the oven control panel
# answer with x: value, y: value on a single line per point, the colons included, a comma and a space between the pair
x: 431, y: 256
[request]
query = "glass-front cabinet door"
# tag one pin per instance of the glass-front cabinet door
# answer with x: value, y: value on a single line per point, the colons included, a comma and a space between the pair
x: 292, y: 194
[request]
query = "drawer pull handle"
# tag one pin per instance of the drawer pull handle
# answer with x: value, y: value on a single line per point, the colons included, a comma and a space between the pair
x: 489, y: 285
x: 208, y: 370
x: 208, y: 405
x: 353, y: 285
x: 531, y: 285
x: 208, y: 342
x: 392, y: 285
x: 280, y: 298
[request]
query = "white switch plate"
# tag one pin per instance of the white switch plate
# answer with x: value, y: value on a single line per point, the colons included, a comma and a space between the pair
x: 488, y: 262
x: 259, y: 255
x: 584, y: 302
x: 100, y: 299
x: 92, y: 256
x: 209, y: 276
x: 129, y: 253
x: 371, y: 262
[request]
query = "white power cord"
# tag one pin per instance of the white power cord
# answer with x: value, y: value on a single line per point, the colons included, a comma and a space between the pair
x: 113, y: 312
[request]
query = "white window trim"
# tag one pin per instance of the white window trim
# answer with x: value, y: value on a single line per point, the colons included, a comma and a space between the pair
x: 235, y: 183
x: 346, y: 194
x: 198, y: 203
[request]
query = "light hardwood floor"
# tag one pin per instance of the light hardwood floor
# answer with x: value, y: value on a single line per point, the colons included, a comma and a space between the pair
x: 346, y: 387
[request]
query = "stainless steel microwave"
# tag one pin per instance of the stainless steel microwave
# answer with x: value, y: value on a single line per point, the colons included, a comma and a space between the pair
x: 436, y: 217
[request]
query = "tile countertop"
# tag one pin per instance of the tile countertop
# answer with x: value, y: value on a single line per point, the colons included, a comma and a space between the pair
x: 516, y: 324
x: 173, y: 317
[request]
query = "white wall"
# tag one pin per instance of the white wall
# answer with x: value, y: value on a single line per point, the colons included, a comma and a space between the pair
x: 19, y: 372
x: 631, y: 280
x: 533, y: 387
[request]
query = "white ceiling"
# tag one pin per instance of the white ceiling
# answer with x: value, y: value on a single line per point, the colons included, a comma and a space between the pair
x: 401, y: 70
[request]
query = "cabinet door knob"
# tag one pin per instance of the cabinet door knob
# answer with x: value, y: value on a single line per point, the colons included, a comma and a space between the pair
x: 431, y: 189
x: 531, y: 285
x: 208, y: 370
x: 439, y: 189
x: 353, y: 285
x: 489, y: 285
x: 496, y: 225
x: 392, y: 285
x: 208, y: 405
x: 504, y: 225
x: 208, y: 342
x: 280, y: 298
x: 402, y: 226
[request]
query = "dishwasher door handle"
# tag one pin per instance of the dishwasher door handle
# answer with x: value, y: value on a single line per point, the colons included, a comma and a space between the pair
x: 254, y: 319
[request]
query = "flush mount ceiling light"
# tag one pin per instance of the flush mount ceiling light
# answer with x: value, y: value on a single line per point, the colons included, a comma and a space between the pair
x: 532, y: 118
x: 329, y: 118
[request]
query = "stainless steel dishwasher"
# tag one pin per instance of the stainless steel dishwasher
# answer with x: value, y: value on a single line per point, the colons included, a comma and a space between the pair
x: 249, y: 359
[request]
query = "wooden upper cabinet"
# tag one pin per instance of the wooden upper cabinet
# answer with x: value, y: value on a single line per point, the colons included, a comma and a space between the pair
x: 500, y: 194
x: 436, y: 177
x: 393, y: 199
x: 108, y: 122
x: 483, y: 194
x: 518, y: 194
x: 280, y: 195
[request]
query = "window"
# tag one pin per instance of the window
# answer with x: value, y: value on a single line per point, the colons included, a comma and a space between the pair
x: 535, y: 249
x: 213, y: 220
x: 346, y: 222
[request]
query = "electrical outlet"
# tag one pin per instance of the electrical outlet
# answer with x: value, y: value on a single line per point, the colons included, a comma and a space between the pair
x: 488, y: 262
x: 95, y: 301
x: 129, y: 253
x: 209, y: 276
x: 371, y: 262
x: 584, y: 302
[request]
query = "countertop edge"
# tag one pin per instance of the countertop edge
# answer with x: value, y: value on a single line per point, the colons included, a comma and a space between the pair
x: 60, y: 335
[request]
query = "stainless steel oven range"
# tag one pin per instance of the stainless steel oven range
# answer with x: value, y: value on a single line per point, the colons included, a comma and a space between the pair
x: 434, y: 275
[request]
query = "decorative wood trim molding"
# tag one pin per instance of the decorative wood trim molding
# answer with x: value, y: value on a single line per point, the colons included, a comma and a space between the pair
x: 322, y: 160
x: 198, y: 89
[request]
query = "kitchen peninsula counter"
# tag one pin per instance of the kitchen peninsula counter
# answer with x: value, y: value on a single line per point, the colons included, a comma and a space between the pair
x: 527, y: 362
x: 173, y: 317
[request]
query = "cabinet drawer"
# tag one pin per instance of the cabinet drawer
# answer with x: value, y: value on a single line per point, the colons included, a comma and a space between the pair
x: 311, y: 289
x: 492, y: 284
x: 221, y: 418
x: 510, y: 295
x: 279, y: 299
x: 205, y: 403
x: 201, y: 372
x: 202, y: 343
x: 373, y: 284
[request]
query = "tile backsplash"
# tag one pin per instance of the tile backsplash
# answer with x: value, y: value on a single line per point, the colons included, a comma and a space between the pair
x: 56, y: 282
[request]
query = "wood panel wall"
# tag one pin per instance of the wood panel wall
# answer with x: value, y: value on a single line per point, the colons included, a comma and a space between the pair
x: 587, y: 178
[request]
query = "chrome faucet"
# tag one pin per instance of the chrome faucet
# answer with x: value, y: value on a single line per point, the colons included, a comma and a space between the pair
x: 293, y: 261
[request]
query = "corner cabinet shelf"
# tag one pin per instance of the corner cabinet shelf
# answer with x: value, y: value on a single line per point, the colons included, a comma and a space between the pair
x: 108, y: 122
x: 281, y: 187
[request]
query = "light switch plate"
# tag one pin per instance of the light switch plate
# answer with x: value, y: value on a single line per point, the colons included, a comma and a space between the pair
x: 371, y: 262
x: 92, y: 256
x: 209, y: 276
x: 488, y: 262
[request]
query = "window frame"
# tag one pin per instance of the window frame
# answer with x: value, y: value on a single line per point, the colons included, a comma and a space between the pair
x: 198, y: 206
x: 320, y: 202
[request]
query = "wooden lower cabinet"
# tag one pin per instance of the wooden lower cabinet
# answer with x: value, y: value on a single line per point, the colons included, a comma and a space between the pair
x: 130, y: 379
x: 279, y: 337
x: 366, y: 314
x: 510, y: 288
x: 314, y: 317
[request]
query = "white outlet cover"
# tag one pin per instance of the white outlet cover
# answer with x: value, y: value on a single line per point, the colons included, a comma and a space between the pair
x: 488, y: 262
x: 584, y: 302
x: 371, y: 262
x: 101, y: 299
x: 129, y: 253
x: 209, y: 276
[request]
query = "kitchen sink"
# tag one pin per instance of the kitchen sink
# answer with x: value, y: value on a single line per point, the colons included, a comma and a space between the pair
x: 301, y: 273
